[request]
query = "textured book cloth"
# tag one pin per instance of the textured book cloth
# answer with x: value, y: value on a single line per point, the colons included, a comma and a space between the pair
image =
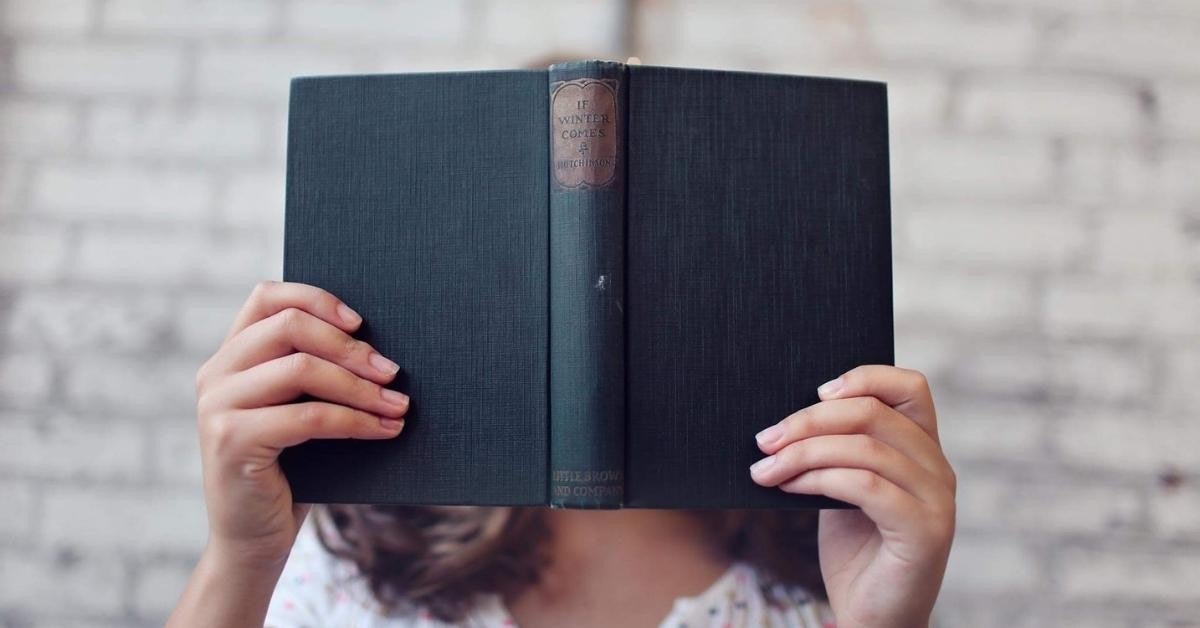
x: 600, y: 280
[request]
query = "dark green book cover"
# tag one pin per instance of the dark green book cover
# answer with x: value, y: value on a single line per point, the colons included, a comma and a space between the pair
x: 600, y: 280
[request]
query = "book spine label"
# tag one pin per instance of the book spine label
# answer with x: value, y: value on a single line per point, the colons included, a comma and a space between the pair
x: 587, y: 284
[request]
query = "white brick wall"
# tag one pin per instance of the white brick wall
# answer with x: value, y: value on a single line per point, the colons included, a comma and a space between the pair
x: 1046, y: 195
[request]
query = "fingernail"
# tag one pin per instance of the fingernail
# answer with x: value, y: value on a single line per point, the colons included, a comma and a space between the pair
x: 831, y: 387
x: 382, y: 364
x: 394, y: 397
x: 769, y: 435
x: 392, y: 425
x: 350, y: 316
x: 762, y: 465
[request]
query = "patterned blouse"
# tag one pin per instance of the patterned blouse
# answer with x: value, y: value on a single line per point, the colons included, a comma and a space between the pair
x: 318, y: 589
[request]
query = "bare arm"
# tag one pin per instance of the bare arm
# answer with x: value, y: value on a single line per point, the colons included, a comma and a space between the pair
x: 288, y: 340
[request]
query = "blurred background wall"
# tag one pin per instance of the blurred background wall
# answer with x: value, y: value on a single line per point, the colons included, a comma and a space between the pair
x: 1046, y: 160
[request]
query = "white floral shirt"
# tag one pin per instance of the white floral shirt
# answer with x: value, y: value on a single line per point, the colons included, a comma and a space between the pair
x: 318, y: 589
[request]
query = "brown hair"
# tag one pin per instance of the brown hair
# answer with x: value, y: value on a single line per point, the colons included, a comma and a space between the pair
x: 441, y: 557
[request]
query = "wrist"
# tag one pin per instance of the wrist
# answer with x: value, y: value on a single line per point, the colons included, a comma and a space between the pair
x: 227, y: 588
x: 236, y: 558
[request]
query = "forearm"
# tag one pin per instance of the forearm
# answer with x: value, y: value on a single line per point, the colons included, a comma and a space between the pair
x: 224, y: 591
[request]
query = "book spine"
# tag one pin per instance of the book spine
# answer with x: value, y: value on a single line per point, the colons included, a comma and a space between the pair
x: 587, y: 284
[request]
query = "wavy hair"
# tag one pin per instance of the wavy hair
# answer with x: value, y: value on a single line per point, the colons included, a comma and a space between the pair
x: 442, y: 557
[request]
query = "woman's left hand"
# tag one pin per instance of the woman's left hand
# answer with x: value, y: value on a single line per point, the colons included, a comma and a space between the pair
x: 872, y: 441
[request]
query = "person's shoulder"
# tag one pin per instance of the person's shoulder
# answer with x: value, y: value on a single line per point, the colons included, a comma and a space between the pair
x: 784, y: 603
x: 318, y: 588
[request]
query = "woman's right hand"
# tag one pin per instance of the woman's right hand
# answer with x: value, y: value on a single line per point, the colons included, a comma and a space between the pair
x: 288, y: 340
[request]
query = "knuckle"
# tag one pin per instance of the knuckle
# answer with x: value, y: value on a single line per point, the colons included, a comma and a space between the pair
x: 871, y: 448
x: 312, y: 416
x: 291, y: 321
x: 792, y: 455
x: 353, y: 348
x: 869, y: 483
x: 799, y: 423
x: 865, y: 407
x: 201, y: 378
x: 219, y: 432
x: 300, y: 364
x: 918, y: 380
x: 261, y: 289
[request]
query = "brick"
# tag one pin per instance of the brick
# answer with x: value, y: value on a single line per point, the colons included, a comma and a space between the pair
x: 105, y: 191
x: 25, y: 378
x: 1166, y: 175
x: 175, y: 454
x: 12, y: 179
x: 1180, y: 376
x: 537, y: 27
x: 1101, y: 437
x: 1179, y: 107
x: 173, y: 257
x: 61, y: 583
x: 218, y: 134
x: 124, y: 519
x: 1097, y: 372
x: 1087, y: 171
x: 46, y: 17
x: 204, y: 321
x: 1008, y: 369
x: 31, y: 254
x: 1175, y: 513
x: 176, y: 18
x: 255, y: 199
x: 930, y: 353
x: 949, y: 39
x: 1118, y: 574
x: 97, y: 69
x: 1142, y: 242
x: 1104, y: 8
x: 754, y: 29
x: 157, y: 588
x: 916, y: 100
x: 1011, y: 568
x: 71, y: 321
x: 37, y: 128
x: 393, y: 23
x: 1038, y: 507
x: 1153, y: 47
x: 1110, y: 307
x: 995, y: 235
x: 71, y: 448
x: 970, y: 168
x: 263, y: 73
x: 949, y: 298
x: 17, y: 517
x: 972, y: 430
x: 1049, y: 106
x: 131, y: 386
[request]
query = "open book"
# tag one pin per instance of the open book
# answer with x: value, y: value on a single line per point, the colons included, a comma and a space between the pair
x: 599, y: 280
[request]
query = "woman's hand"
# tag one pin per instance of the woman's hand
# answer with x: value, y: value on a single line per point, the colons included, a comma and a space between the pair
x: 288, y: 340
x: 872, y: 441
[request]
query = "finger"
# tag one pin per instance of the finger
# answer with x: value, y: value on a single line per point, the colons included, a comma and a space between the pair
x: 903, y: 389
x: 857, y: 451
x: 270, y: 297
x: 893, y: 509
x: 857, y: 415
x: 277, y: 427
x: 294, y: 330
x: 284, y: 379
